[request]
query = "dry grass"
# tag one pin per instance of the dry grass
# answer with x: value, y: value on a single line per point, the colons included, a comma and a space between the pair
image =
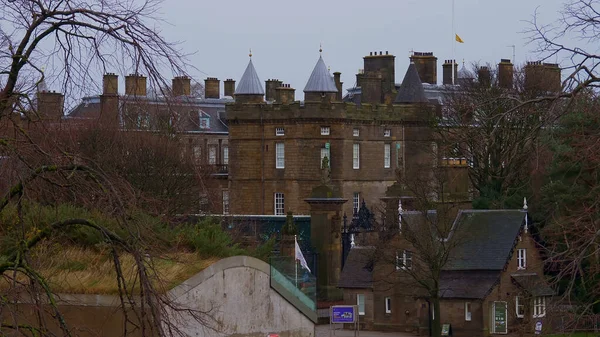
x: 75, y: 270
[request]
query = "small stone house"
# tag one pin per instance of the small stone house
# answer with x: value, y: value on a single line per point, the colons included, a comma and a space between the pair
x: 491, y: 284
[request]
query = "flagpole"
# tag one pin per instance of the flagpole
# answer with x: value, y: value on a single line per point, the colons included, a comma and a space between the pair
x: 453, y: 44
x: 295, y: 261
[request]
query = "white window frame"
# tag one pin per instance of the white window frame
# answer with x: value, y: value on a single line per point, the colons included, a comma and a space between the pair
x: 356, y: 132
x: 359, y: 302
x: 279, y: 155
x: 356, y: 156
x: 212, y: 154
x: 325, y: 131
x: 468, y: 313
x: 355, y: 203
x: 279, y: 203
x: 225, y: 201
x: 521, y: 259
x: 226, y: 155
x: 197, y: 150
x: 387, y: 153
x: 388, y: 305
x: 519, y: 305
x: 387, y: 133
x: 279, y: 132
x: 539, y: 307
x: 401, y: 261
x: 325, y: 152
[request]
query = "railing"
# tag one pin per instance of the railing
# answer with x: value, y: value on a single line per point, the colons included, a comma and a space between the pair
x: 288, y: 274
x: 571, y: 322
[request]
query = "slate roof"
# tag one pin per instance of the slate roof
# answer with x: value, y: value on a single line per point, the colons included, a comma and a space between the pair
x: 411, y: 89
x: 467, y: 284
x: 358, y: 268
x: 249, y: 84
x: 320, y: 80
x: 533, y: 284
x: 484, y: 239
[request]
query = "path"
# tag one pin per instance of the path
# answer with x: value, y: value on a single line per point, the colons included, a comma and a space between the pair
x: 323, y: 331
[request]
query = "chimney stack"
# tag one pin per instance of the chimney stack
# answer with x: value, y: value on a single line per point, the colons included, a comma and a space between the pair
x: 182, y: 86
x: 426, y: 65
x: 338, y: 84
x: 381, y: 74
x: 212, y: 87
x: 270, y: 86
x: 285, y: 94
x: 110, y: 84
x: 484, y: 76
x: 109, y: 100
x: 50, y: 105
x: 447, y: 72
x: 135, y: 85
x: 229, y: 87
x: 505, y: 74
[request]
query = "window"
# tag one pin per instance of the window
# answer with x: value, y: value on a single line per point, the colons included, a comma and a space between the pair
x: 225, y: 202
x: 356, y: 132
x: 519, y: 307
x: 212, y: 154
x: 279, y: 206
x: 226, y: 155
x: 356, y: 156
x: 398, y: 154
x: 360, y: 301
x: 467, y: 311
x: 325, y: 131
x: 197, y: 149
x: 388, y: 305
x: 387, y: 133
x: 204, y: 122
x: 522, y: 258
x: 325, y: 153
x: 279, y: 132
x: 355, y: 203
x: 404, y: 260
x: 386, y: 155
x: 539, y: 307
x: 279, y: 156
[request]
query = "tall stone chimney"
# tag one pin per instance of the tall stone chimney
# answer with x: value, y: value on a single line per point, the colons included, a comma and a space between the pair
x: 182, y: 86
x: 484, y: 76
x: 50, y: 105
x: 426, y: 65
x: 212, y: 87
x: 135, y: 85
x: 109, y: 100
x: 285, y: 94
x: 229, y: 87
x: 447, y: 72
x: 270, y: 86
x: 338, y: 84
x: 505, y: 74
x: 379, y: 75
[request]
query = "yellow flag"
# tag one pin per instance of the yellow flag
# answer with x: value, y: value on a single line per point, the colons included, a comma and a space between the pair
x: 458, y: 39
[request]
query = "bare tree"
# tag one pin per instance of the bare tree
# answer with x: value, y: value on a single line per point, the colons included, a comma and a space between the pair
x: 81, y: 39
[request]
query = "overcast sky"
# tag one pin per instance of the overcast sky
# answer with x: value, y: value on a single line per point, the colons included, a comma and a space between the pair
x: 285, y: 35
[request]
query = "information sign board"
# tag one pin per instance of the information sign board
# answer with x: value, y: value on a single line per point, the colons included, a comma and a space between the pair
x: 343, y: 314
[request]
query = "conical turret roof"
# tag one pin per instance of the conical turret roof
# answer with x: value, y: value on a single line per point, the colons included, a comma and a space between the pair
x: 411, y: 90
x: 320, y: 80
x: 249, y: 84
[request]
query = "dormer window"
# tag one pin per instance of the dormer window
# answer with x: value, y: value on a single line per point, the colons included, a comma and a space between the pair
x: 204, y: 120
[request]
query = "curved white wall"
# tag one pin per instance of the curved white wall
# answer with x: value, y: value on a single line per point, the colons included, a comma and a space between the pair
x: 236, y: 292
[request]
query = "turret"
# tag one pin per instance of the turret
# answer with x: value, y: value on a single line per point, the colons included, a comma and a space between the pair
x: 249, y: 89
x: 321, y: 85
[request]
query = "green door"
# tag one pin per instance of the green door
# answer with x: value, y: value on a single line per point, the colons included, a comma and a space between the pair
x: 499, y: 316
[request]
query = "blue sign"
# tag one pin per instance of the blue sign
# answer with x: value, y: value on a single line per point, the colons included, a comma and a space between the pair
x: 343, y: 314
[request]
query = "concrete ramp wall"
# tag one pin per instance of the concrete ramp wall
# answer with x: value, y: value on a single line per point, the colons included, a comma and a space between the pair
x: 237, y: 294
